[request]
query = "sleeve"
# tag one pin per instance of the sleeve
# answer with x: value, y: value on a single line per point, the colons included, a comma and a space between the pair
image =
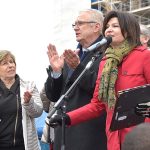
x: 146, y: 66
x: 90, y: 111
x: 53, y: 87
x: 46, y: 102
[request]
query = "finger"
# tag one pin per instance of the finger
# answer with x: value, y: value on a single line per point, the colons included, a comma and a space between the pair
x: 66, y: 55
x: 142, y: 106
x: 27, y: 96
x: 51, y: 50
x: 27, y: 93
x: 146, y: 115
x: 26, y: 99
x: 143, y: 114
x: 140, y: 109
x: 69, y: 54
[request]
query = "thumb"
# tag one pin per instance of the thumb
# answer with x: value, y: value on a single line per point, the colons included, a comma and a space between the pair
x: 77, y: 51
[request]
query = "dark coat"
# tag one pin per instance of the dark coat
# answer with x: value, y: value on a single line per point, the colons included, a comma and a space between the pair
x: 9, y: 100
x: 87, y: 136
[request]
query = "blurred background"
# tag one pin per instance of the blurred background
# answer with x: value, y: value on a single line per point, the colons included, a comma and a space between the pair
x: 28, y: 26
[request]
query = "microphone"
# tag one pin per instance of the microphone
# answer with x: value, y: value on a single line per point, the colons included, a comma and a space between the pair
x: 105, y: 40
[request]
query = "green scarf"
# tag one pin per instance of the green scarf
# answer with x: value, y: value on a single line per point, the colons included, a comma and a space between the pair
x: 110, y: 72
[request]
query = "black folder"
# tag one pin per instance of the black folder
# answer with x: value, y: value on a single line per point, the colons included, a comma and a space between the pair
x: 124, y: 115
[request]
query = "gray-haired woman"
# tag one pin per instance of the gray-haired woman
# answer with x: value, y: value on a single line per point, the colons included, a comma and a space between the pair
x: 20, y: 103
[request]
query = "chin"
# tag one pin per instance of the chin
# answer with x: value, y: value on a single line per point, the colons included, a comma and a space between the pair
x: 78, y: 39
x: 11, y: 76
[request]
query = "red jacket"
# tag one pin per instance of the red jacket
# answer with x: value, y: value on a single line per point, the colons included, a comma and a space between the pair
x: 133, y: 71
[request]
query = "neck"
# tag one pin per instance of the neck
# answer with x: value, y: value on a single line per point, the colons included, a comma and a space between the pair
x: 8, y: 82
x: 88, y: 42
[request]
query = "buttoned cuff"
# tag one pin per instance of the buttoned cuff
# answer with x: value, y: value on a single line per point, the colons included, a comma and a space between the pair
x: 55, y: 75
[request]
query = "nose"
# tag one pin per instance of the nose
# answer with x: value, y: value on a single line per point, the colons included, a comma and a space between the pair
x: 75, y: 27
x: 109, y: 29
x: 10, y: 64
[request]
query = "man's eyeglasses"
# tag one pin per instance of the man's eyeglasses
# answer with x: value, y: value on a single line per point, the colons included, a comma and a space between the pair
x: 79, y: 23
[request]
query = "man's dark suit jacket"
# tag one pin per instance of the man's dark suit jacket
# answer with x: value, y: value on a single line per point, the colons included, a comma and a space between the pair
x: 86, y: 136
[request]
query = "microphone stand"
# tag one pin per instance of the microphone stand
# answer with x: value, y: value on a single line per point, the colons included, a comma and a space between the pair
x: 63, y: 139
x: 61, y: 101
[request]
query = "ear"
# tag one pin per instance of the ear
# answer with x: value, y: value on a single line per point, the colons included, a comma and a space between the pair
x: 98, y: 27
x: 146, y: 39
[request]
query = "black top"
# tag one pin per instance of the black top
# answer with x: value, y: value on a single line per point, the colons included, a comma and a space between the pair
x: 11, y: 132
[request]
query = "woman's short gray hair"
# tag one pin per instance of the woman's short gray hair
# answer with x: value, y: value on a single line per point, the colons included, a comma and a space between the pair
x: 4, y: 53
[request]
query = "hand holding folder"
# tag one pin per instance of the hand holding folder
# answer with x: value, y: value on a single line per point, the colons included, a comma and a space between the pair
x: 124, y: 113
x: 143, y: 109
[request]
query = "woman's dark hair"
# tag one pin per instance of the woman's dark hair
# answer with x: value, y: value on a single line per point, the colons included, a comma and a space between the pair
x: 129, y: 25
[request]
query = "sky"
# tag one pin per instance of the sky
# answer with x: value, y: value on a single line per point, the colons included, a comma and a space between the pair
x: 28, y: 26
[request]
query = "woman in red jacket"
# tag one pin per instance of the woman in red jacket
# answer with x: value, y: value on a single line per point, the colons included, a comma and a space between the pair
x: 125, y: 65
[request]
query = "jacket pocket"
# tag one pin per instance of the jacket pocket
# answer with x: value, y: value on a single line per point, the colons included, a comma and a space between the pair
x: 132, y: 71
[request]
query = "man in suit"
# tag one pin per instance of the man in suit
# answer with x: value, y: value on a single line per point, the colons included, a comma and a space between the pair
x: 65, y: 69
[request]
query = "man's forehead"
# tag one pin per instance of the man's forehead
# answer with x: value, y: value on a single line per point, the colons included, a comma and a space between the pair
x: 83, y: 15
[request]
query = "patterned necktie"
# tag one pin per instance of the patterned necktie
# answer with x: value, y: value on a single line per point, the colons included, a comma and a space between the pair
x: 83, y: 55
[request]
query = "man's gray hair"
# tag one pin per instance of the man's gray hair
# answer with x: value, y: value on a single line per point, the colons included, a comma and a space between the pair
x: 96, y: 15
x: 145, y: 30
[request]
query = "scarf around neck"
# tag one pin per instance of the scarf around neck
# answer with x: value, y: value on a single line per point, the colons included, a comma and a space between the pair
x: 110, y: 72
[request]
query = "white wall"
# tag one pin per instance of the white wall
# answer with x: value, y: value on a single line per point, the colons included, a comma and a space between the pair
x: 27, y: 26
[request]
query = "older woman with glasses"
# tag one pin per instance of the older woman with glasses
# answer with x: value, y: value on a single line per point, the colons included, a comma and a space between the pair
x: 20, y: 103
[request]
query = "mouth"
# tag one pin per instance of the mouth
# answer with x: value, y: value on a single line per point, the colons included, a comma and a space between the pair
x: 11, y: 71
x: 77, y: 34
x: 109, y: 35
